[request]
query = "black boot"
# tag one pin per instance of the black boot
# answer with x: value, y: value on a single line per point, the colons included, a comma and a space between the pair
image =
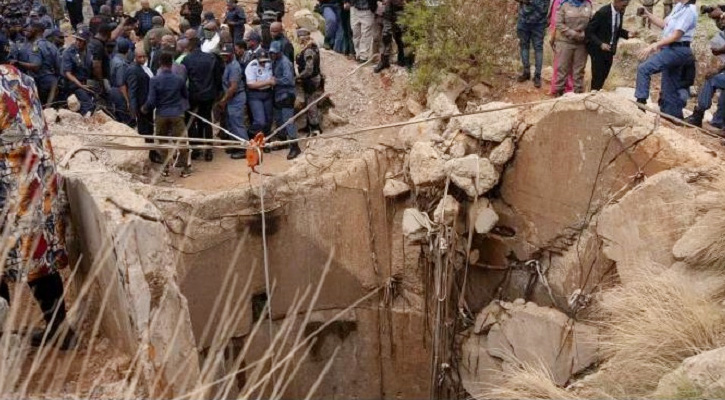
x: 315, y: 130
x: 294, y: 151
x: 209, y: 155
x: 696, y: 117
x: 384, y: 63
x: 524, y: 77
x: 48, y: 291
x: 402, y: 60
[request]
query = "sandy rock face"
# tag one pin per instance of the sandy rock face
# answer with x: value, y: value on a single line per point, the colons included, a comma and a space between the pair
x: 700, y: 376
x: 508, y: 333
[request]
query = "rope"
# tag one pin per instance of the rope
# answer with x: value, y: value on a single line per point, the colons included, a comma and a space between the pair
x: 324, y: 96
x: 268, y: 287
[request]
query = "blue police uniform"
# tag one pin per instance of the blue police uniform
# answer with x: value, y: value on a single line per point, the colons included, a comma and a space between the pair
x: 670, y: 60
x: 118, y: 67
x: 260, y: 100
x: 47, y: 76
x: 284, y: 94
x: 77, y: 63
x: 237, y: 104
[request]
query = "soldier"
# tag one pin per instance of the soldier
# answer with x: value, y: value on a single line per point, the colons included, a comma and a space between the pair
x: 310, y: 76
x: 235, y: 18
x: 284, y: 95
x: 392, y: 31
x: 118, y: 94
x: 77, y: 69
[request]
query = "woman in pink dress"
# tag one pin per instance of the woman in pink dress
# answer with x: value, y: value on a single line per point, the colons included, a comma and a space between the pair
x: 552, y: 39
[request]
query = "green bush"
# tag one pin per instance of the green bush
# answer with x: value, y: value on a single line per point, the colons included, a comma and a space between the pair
x: 466, y: 37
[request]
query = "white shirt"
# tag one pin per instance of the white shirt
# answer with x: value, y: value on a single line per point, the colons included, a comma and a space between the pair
x: 616, y: 24
x: 256, y: 73
x: 682, y: 18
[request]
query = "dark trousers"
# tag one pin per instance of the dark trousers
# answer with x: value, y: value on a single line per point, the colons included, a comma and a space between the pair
x: 145, y: 124
x: 531, y: 35
x: 601, y: 65
x: 75, y: 12
x: 669, y: 62
x: 48, y: 292
x: 260, y: 104
x: 200, y: 129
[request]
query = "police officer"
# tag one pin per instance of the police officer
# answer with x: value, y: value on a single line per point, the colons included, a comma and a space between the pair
x: 4, y: 43
x: 118, y: 94
x: 668, y: 56
x: 234, y: 101
x: 284, y: 95
x: 235, y: 18
x: 47, y: 76
x: 310, y: 75
x: 76, y: 68
x: 260, y: 81
x: 392, y: 31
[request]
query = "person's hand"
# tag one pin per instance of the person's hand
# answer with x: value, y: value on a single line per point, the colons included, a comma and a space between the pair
x: 606, y: 47
x: 86, y: 88
x: 647, y: 51
x: 272, y: 81
x: 222, y: 104
x: 144, y: 110
x: 346, y: 6
x: 717, y: 52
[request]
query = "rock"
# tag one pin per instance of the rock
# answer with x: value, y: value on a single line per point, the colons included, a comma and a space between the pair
x: 424, y: 131
x: 4, y: 309
x: 502, y: 153
x: 706, y: 234
x: 487, y: 317
x: 700, y: 376
x: 527, y: 333
x: 547, y: 74
x: 73, y: 103
x: 442, y: 105
x: 493, y: 126
x: 447, y: 211
x: 50, y: 114
x: 642, y: 228
x: 472, y: 174
x: 305, y: 18
x: 480, y: 91
x: 395, y: 187
x: 336, y: 119
x: 415, y: 225
x: 426, y: 165
x: 318, y: 37
x: 451, y: 86
x: 486, y: 219
x: 413, y: 106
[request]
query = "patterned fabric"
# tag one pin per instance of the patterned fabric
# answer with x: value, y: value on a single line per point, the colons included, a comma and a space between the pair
x: 35, y: 241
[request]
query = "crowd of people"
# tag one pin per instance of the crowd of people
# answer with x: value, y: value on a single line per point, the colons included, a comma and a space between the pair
x: 171, y: 82
x: 578, y: 32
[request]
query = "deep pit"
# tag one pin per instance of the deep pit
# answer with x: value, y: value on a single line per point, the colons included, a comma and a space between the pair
x: 544, y: 207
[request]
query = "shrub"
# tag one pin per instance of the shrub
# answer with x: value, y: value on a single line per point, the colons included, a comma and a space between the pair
x: 465, y: 37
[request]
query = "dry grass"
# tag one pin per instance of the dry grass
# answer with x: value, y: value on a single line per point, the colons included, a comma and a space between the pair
x: 652, y: 324
x: 529, y: 381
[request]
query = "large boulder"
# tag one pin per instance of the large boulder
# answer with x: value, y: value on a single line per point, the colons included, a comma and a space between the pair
x: 494, y: 126
x: 700, y: 376
x: 426, y: 165
x: 642, y: 228
x: 450, y: 86
x: 472, y: 174
x: 306, y: 19
x: 507, y: 334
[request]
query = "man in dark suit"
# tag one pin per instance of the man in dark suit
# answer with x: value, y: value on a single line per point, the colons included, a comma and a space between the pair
x: 603, y: 33
x: 137, y: 81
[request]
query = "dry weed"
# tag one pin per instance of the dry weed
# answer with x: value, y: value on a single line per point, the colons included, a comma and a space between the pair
x: 528, y: 381
x: 653, y: 323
